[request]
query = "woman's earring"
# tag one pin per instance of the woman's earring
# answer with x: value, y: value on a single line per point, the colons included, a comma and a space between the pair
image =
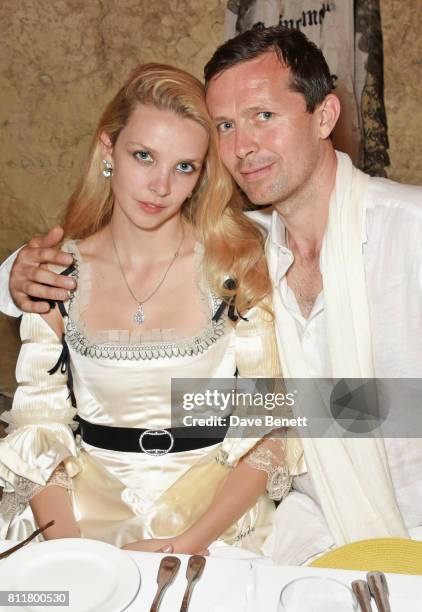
x: 108, y: 168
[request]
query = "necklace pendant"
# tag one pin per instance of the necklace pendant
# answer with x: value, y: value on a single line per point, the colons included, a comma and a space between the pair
x: 139, y: 316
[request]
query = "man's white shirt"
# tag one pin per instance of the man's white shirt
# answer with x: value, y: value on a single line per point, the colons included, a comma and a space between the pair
x: 393, y: 270
x: 7, y: 305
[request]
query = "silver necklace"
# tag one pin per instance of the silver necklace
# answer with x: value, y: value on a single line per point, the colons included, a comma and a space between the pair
x: 139, y: 316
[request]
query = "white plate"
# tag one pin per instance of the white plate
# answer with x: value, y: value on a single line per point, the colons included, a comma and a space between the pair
x: 97, y: 575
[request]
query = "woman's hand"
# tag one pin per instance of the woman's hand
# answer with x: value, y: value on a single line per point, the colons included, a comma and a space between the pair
x: 29, y: 277
x: 176, y: 545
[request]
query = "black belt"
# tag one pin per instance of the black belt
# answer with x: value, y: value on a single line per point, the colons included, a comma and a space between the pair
x: 149, y: 441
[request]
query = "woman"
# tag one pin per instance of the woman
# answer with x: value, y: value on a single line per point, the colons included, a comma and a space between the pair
x: 143, y: 313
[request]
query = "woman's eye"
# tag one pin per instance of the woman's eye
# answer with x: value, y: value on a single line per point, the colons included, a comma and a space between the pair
x: 142, y: 155
x: 225, y: 126
x: 265, y: 115
x: 185, y: 167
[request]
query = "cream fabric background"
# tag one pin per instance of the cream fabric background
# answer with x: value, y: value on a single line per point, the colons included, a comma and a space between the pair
x: 63, y: 59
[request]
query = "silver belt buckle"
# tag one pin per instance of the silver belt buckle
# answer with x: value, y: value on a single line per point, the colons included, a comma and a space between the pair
x: 156, y: 452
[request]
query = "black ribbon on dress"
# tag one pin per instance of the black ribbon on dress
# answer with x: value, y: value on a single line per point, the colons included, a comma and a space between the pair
x: 63, y: 362
x: 232, y: 312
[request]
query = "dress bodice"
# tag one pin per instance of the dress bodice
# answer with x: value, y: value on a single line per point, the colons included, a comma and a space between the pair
x: 123, y: 378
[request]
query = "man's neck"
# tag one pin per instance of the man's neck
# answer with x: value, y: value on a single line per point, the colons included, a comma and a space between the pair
x: 305, y: 213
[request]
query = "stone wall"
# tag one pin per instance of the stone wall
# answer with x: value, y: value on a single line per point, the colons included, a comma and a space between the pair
x: 402, y: 28
x: 63, y: 59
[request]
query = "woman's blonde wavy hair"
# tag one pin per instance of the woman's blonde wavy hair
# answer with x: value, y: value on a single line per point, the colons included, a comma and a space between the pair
x: 233, y: 245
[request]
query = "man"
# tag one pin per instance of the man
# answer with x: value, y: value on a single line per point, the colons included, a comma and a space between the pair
x: 345, y: 258
x: 338, y: 313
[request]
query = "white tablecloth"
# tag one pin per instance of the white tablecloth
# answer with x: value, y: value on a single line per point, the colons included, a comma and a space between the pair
x: 246, y: 585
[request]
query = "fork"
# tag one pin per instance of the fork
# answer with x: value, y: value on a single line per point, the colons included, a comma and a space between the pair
x: 33, y: 535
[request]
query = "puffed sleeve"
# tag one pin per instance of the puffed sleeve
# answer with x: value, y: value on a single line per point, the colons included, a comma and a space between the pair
x: 39, y: 434
x: 279, y: 453
x: 256, y: 346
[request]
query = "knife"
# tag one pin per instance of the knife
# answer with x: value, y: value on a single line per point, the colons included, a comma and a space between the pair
x: 361, y: 589
x: 194, y: 571
x: 378, y: 586
x: 33, y: 535
x: 167, y: 572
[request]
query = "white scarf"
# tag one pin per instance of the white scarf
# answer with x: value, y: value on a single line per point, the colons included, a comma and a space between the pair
x: 351, y: 476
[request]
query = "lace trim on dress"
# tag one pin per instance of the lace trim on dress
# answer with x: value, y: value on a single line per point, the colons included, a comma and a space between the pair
x: 269, y: 456
x: 121, y: 344
x: 37, y: 416
x: 15, y: 503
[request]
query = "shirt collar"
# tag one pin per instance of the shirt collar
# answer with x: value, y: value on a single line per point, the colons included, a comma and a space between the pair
x: 278, y: 243
x: 278, y: 231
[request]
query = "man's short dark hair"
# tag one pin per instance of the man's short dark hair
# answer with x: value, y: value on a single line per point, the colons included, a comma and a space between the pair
x: 310, y: 72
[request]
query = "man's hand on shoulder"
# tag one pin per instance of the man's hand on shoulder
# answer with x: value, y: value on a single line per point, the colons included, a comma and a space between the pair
x: 30, y: 276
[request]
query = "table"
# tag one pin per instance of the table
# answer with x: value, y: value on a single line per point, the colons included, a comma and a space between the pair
x: 247, y: 585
